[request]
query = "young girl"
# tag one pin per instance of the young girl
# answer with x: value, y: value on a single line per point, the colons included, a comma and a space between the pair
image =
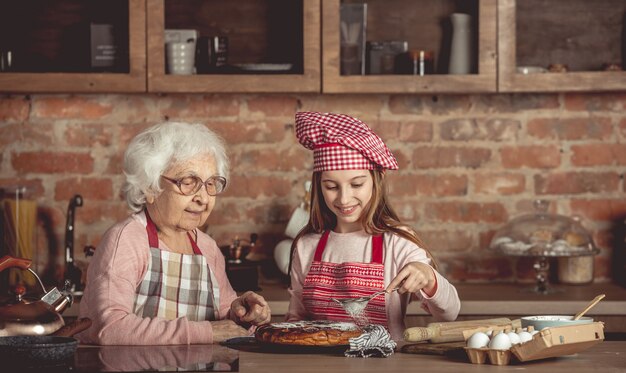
x: 354, y: 243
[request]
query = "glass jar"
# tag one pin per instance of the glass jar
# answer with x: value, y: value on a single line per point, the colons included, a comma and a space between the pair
x: 576, y: 270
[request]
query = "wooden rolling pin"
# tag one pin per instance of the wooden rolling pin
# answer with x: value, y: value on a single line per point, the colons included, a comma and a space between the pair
x: 439, y: 332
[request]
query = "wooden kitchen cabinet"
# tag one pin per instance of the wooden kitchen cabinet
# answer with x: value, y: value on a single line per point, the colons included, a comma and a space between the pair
x: 49, y: 45
x: 584, y: 35
x: 262, y: 35
x: 424, y: 25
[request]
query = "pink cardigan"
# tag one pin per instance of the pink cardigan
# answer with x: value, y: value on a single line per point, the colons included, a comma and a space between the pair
x: 444, y: 305
x: 114, y: 273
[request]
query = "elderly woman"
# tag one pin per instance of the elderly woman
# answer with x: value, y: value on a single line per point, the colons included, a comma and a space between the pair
x: 156, y: 278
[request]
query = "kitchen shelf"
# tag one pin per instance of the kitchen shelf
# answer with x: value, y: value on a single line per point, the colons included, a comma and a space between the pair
x: 50, y: 27
x: 396, y: 20
x: 509, y: 34
x: 258, y: 32
x: 578, y: 33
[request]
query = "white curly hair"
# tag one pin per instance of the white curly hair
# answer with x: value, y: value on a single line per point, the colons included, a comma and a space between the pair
x: 159, y: 147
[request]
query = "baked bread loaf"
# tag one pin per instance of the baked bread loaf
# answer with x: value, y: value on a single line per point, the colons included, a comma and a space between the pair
x: 308, y: 333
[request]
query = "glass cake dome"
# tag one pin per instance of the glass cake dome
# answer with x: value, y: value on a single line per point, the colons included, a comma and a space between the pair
x: 544, y: 234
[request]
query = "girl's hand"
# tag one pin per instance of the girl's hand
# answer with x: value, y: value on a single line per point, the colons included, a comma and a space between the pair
x: 251, y: 308
x: 414, y: 277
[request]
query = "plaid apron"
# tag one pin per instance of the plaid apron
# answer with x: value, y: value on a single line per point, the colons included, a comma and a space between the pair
x: 176, y: 285
x: 327, y: 280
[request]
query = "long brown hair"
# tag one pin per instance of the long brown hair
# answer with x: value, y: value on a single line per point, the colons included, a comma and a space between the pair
x: 377, y: 218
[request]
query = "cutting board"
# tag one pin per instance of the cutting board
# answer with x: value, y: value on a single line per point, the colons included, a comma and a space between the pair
x: 433, y: 348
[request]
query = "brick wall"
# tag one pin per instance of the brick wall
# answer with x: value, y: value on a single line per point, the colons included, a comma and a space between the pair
x: 468, y: 164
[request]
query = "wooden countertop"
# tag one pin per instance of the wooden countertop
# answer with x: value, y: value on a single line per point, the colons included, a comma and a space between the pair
x: 607, y: 356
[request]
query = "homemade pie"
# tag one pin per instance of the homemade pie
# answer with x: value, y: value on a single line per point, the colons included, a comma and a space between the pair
x: 308, y: 333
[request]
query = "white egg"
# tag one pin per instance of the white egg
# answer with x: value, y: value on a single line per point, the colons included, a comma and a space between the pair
x: 500, y: 342
x: 514, y: 338
x: 524, y: 337
x: 534, y: 332
x: 478, y: 340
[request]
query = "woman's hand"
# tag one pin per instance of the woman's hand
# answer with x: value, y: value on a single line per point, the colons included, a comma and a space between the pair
x: 225, y: 329
x: 251, y: 308
x: 413, y: 277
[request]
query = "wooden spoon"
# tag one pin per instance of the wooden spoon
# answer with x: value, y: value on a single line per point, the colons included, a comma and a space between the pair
x: 589, y: 306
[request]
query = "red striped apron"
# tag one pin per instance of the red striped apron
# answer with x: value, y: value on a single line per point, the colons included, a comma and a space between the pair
x: 327, y: 280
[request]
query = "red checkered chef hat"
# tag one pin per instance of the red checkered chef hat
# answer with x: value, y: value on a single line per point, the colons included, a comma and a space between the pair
x: 341, y: 142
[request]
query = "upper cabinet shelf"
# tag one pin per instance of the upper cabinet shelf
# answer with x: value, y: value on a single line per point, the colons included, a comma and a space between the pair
x: 46, y: 46
x: 414, y: 26
x: 362, y: 46
x: 265, y: 45
x: 561, y: 45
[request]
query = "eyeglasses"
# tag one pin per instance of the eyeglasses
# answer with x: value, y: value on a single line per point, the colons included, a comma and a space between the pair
x: 190, y: 185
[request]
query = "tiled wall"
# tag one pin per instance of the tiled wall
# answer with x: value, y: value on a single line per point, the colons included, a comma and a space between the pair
x: 468, y: 164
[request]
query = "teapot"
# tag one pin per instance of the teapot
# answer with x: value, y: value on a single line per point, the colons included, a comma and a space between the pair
x: 40, y: 317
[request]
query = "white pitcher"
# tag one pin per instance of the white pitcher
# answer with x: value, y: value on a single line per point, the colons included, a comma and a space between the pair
x: 461, y: 49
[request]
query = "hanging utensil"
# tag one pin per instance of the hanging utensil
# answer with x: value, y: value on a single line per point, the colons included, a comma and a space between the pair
x: 72, y: 274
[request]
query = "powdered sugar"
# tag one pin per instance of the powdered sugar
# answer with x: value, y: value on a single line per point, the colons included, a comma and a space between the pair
x: 356, y: 310
x: 355, y: 307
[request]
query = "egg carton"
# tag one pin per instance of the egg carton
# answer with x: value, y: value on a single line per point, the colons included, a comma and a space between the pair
x: 484, y: 355
x: 549, y: 342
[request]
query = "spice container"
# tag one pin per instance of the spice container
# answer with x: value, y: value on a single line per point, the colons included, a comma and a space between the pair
x: 558, y: 68
x: 576, y: 270
x: 381, y: 55
x: 212, y: 54
x: 421, y: 62
x: 611, y: 67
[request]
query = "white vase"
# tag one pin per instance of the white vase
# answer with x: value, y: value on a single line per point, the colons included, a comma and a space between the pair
x: 461, y: 49
x: 282, y: 255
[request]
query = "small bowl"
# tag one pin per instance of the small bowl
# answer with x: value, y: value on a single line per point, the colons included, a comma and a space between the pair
x: 548, y: 321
